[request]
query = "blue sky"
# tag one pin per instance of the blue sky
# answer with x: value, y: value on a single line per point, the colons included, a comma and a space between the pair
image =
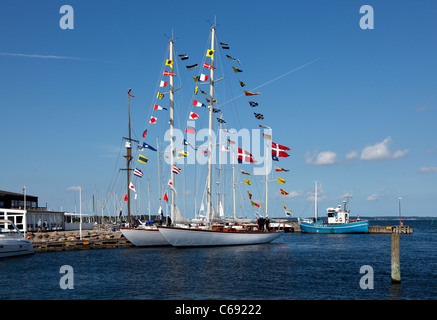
x: 360, y: 119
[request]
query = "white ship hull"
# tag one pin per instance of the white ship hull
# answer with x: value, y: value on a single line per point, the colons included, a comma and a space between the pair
x: 144, y: 237
x: 9, y: 248
x: 184, y: 237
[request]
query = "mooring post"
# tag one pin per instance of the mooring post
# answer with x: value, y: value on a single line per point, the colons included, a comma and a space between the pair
x: 395, y: 258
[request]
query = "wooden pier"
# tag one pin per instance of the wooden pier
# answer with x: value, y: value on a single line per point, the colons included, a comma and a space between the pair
x: 391, y: 229
x: 372, y: 229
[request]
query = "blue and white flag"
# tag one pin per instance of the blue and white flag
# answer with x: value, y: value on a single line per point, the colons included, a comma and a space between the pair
x: 146, y: 146
x: 138, y: 173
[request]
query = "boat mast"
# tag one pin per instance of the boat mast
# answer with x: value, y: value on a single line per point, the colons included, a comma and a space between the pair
x: 219, y: 168
x: 158, y: 153
x: 234, y: 183
x: 267, y: 180
x: 172, y: 147
x: 128, y: 157
x: 315, y: 201
x: 211, y: 97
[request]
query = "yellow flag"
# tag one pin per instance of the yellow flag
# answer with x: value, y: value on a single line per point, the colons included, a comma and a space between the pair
x: 160, y: 95
x: 182, y: 155
x: 168, y: 62
x: 196, y: 89
x: 247, y: 182
x: 210, y: 53
x: 256, y: 205
x: 286, y: 207
x: 281, y: 180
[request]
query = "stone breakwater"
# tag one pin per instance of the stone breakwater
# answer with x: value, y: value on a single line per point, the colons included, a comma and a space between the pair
x: 71, y: 240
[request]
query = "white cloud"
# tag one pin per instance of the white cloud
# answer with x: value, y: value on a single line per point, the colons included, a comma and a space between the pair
x: 373, y: 197
x: 400, y: 154
x: 383, y: 194
x: 322, y: 158
x: 352, y: 155
x: 427, y: 169
x: 380, y: 151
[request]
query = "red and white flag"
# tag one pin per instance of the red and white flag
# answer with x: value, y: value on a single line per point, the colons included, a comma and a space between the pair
x: 153, y: 120
x: 279, y: 150
x: 156, y: 107
x: 279, y: 147
x: 163, y: 84
x: 245, y: 156
x: 197, y: 103
x: 168, y: 73
x: 280, y: 153
x: 131, y: 186
x: 208, y: 66
x: 193, y: 115
x: 203, y: 77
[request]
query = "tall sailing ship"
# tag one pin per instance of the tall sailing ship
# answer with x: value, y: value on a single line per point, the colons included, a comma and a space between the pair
x: 217, y: 231
x: 216, y: 227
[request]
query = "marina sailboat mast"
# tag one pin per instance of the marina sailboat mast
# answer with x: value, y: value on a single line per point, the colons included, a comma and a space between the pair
x: 128, y: 158
x: 210, y: 53
x: 315, y: 201
x: 172, y: 137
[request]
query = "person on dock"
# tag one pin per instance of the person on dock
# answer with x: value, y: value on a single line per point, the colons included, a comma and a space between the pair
x: 39, y: 225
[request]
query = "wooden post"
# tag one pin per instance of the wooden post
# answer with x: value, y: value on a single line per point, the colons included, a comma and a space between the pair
x: 395, y: 259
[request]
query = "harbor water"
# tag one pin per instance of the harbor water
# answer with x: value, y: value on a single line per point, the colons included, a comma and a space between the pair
x: 296, y: 266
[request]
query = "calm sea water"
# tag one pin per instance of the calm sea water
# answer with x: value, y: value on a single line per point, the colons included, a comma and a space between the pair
x: 295, y: 266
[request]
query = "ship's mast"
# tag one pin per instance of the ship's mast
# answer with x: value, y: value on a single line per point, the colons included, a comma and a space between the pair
x: 315, y: 201
x: 267, y: 179
x: 128, y: 157
x: 234, y: 183
x: 211, y: 97
x: 172, y: 147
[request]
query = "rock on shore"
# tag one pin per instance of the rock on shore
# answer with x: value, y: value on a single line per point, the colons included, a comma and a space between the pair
x: 62, y: 236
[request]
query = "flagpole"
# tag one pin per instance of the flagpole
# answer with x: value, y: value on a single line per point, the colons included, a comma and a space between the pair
x: 128, y: 157
x: 267, y: 180
x: 211, y: 96
x: 128, y: 160
x: 172, y: 159
x: 233, y: 169
x: 159, y: 171
x: 315, y: 201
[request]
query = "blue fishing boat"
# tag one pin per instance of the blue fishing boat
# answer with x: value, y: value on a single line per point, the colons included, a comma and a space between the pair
x: 338, y: 221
